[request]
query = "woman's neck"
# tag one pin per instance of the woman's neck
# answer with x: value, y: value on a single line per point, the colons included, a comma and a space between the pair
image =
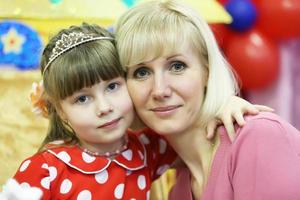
x: 196, y: 151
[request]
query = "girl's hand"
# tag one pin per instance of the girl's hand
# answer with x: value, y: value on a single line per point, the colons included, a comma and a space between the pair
x: 234, y: 110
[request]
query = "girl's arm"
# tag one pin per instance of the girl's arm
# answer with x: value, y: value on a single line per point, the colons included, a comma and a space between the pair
x: 233, y: 111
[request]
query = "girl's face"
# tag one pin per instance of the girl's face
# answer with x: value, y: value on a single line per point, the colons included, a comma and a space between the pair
x: 99, y: 115
x: 168, y: 91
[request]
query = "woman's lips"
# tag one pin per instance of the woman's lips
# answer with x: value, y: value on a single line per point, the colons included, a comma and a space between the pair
x: 165, y: 110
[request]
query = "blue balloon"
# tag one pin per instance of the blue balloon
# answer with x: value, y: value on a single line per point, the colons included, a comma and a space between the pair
x: 243, y: 13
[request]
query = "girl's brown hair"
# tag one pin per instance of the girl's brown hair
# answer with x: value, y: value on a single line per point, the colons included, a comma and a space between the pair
x: 82, y: 66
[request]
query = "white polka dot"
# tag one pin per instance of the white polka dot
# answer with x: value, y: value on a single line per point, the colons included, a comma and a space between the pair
x: 141, y: 181
x: 162, y: 146
x: 64, y: 156
x: 45, y: 166
x: 127, y: 154
x: 162, y: 169
x: 25, y: 185
x: 119, y: 190
x: 144, y: 139
x: 25, y: 165
x: 84, y: 195
x: 102, y: 177
x: 87, y: 158
x: 141, y: 155
x: 45, y: 182
x: 53, y: 173
x: 132, y: 198
x: 65, y: 186
x: 148, y: 195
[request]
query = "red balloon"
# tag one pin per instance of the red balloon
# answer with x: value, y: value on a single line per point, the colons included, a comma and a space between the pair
x: 222, y: 34
x: 223, y: 2
x: 255, y: 59
x: 279, y: 19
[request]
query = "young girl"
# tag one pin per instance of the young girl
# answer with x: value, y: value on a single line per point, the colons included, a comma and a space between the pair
x: 89, y: 153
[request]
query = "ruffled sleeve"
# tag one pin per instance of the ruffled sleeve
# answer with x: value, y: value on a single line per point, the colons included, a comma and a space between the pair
x: 35, y: 172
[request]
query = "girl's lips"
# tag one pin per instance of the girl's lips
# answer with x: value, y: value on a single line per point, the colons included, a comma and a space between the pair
x: 110, y: 123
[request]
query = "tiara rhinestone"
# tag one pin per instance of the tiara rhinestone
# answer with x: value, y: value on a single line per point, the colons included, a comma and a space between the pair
x: 69, y: 41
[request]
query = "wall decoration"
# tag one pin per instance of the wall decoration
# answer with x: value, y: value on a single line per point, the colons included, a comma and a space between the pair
x: 20, y: 45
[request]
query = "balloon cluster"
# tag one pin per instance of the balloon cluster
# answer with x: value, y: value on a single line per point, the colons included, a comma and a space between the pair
x: 250, y: 42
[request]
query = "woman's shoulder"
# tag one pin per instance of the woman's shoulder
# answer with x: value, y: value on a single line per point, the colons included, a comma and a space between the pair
x: 267, y: 129
x: 267, y: 123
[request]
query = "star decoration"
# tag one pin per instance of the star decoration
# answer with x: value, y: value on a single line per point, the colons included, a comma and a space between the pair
x: 12, y: 41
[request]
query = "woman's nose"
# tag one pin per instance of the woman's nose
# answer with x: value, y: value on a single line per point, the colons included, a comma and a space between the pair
x: 161, y: 88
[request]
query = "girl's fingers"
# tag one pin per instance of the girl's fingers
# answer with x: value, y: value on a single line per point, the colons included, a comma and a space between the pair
x: 239, y: 118
x: 264, y: 108
x: 228, y: 123
x: 211, y: 127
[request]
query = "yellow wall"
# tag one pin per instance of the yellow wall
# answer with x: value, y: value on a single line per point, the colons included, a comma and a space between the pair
x: 21, y: 132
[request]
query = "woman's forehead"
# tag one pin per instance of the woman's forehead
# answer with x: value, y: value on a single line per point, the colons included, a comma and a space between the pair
x: 156, y: 50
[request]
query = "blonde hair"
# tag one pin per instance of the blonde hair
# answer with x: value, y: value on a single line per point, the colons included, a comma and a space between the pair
x: 155, y: 28
x: 82, y: 66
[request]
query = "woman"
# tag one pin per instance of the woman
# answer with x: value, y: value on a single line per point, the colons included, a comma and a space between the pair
x: 178, y: 80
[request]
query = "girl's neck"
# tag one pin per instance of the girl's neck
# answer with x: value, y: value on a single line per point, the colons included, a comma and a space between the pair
x: 106, y: 150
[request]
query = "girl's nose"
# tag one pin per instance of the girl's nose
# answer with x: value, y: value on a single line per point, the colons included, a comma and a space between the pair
x: 103, y: 108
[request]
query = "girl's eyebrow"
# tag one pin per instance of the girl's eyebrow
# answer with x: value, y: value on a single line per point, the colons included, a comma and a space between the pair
x: 82, y: 90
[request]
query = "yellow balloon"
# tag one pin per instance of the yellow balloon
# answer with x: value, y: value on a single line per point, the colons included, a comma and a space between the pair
x: 211, y: 10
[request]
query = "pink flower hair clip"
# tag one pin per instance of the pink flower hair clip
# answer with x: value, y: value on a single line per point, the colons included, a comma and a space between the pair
x: 38, y: 103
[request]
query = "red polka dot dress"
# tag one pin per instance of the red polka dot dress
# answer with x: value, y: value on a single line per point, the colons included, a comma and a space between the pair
x: 70, y: 173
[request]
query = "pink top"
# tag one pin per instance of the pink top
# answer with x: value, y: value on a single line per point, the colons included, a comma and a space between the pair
x: 70, y: 173
x: 262, y: 163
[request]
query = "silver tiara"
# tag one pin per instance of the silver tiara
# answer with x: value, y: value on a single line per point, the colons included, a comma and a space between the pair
x: 67, y: 42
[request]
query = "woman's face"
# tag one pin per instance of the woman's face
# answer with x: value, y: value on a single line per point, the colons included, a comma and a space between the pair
x: 168, y: 91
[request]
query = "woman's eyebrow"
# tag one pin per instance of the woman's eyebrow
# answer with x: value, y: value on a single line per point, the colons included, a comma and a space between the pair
x: 173, y: 56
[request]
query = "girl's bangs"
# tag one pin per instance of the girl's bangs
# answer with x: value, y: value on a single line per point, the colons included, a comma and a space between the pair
x: 85, y: 66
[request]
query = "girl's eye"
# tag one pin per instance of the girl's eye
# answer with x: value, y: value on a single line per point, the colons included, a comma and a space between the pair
x: 141, y: 73
x: 113, y: 86
x: 82, y: 99
x: 177, y: 66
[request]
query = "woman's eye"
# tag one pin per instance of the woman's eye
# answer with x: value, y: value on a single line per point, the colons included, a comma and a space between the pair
x: 141, y: 73
x: 113, y: 86
x: 177, y: 66
x: 81, y: 99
